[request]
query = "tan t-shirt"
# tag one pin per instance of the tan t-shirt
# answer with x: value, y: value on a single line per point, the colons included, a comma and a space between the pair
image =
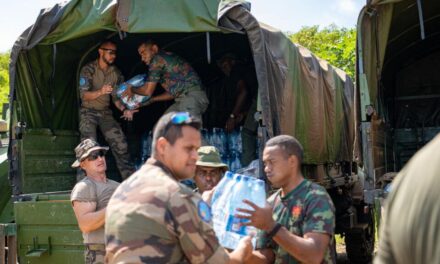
x: 92, y: 78
x: 88, y: 190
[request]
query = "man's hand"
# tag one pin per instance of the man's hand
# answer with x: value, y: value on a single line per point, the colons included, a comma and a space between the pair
x: 128, y: 92
x: 243, y: 251
x: 106, y: 89
x: 260, y: 217
x: 207, y: 196
x: 128, y: 114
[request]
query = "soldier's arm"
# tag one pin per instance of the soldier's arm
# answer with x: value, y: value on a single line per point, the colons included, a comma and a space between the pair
x: 146, y: 90
x: 92, y: 95
x: 162, y: 97
x: 308, y: 249
x: 261, y: 256
x: 88, y: 219
x: 86, y: 83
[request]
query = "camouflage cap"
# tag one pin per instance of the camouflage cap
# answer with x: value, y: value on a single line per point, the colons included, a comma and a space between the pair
x: 209, y: 156
x: 84, y: 149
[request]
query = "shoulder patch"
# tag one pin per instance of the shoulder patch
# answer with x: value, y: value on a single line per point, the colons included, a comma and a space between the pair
x: 82, y: 81
x: 204, y: 211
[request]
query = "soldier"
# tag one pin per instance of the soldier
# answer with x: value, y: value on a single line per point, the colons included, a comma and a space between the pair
x: 240, y: 88
x: 90, y: 197
x: 210, y: 168
x: 298, y: 221
x: 96, y: 85
x: 176, y: 76
x: 152, y: 218
x: 409, y: 232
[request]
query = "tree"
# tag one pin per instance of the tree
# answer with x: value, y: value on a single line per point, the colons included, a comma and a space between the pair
x: 333, y: 44
x: 4, y: 78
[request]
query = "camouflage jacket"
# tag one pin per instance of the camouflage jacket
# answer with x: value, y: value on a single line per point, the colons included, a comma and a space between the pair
x: 173, y: 73
x: 306, y: 209
x: 152, y: 218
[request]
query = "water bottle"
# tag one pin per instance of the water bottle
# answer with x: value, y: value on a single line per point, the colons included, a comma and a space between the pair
x: 258, y: 190
x: 245, y: 188
x: 220, y: 188
x: 235, y: 164
x: 146, y: 142
x: 219, y: 202
x: 136, y: 82
x: 238, y: 141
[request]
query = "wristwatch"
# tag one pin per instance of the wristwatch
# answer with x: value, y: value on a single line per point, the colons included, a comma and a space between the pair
x: 232, y: 116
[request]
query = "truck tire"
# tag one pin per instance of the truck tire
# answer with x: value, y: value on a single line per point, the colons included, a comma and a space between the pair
x: 359, y: 244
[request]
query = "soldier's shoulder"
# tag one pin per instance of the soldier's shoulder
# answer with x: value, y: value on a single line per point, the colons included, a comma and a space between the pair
x: 89, y: 67
x: 84, y: 183
x: 149, y: 181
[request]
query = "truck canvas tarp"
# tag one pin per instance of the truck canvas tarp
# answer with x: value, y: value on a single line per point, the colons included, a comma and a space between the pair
x: 298, y: 94
x: 397, y: 65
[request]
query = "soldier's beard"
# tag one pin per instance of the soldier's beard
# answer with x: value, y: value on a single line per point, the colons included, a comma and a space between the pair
x: 107, y: 61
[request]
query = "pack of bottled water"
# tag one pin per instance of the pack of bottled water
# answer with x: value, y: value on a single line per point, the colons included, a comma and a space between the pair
x: 228, y: 144
x: 136, y: 82
x: 227, y: 197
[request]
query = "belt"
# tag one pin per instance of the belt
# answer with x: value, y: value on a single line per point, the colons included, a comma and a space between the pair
x: 95, y: 247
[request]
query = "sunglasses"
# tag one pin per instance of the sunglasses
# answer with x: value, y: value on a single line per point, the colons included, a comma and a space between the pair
x: 180, y: 118
x: 110, y: 51
x: 95, y: 155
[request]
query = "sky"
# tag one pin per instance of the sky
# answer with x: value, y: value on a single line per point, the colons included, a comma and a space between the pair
x: 287, y: 15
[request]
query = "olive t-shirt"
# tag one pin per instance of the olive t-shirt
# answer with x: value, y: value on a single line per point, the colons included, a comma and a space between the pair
x: 88, y: 190
x: 92, y: 78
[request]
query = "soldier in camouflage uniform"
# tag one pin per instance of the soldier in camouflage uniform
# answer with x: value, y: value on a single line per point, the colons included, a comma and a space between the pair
x: 96, y: 85
x: 152, y: 218
x: 176, y: 76
x: 298, y: 221
x: 90, y: 196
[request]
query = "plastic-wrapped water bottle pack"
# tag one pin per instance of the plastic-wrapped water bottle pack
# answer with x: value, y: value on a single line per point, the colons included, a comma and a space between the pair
x: 228, y: 196
x: 136, y: 82
x: 228, y: 144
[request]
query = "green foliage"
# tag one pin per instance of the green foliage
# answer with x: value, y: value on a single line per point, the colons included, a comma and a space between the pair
x: 4, y: 78
x: 333, y: 44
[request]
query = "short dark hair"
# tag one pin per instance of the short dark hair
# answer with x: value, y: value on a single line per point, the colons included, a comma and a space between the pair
x: 288, y: 144
x: 107, y: 41
x: 171, y: 132
x: 148, y: 42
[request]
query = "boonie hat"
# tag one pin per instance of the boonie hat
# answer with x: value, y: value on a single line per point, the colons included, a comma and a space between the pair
x: 84, y: 149
x: 209, y: 156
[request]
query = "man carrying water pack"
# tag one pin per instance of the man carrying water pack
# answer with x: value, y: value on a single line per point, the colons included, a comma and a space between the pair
x: 298, y: 221
x: 152, y: 218
x: 96, y: 87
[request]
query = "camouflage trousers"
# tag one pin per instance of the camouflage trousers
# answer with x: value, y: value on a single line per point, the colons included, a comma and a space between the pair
x: 91, y: 119
x: 195, y: 102
x: 95, y: 256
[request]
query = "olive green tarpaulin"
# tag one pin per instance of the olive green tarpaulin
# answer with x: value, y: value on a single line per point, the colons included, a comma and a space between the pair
x: 300, y: 95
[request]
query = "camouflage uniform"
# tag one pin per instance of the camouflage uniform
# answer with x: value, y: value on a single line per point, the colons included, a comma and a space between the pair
x: 179, y: 79
x: 97, y: 113
x: 151, y: 218
x: 306, y: 209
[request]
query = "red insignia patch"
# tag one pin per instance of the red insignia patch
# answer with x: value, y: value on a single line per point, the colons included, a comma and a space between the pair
x: 296, y: 211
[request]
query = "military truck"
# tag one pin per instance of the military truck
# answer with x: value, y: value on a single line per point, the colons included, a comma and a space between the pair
x: 398, y: 84
x: 298, y: 94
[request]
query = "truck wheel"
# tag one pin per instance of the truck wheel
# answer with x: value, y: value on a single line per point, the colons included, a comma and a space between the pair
x: 359, y: 244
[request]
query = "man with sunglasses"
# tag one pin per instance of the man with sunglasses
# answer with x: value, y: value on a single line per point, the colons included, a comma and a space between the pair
x: 96, y: 87
x: 90, y: 196
x: 152, y: 218
x: 176, y: 76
